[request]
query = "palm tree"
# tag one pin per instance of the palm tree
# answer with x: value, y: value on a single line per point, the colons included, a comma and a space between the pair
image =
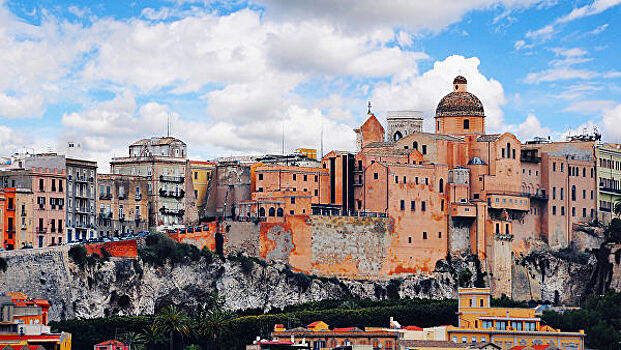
x: 152, y: 336
x: 135, y: 341
x: 170, y: 320
x: 213, y: 324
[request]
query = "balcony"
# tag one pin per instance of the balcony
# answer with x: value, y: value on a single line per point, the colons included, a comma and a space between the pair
x: 105, y: 196
x: 503, y: 236
x: 168, y: 178
x: 172, y: 194
x: 105, y: 215
x: 170, y: 211
x: 41, y: 229
x: 10, y: 209
x: 538, y: 195
x: 463, y: 210
x: 122, y: 197
x: 83, y: 210
x: 137, y: 197
x: 609, y: 190
x: 604, y: 209
x: 81, y: 194
x: 81, y: 179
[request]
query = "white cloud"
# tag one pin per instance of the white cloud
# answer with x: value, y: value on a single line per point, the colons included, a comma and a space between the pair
x: 590, y: 106
x: 362, y: 15
x: 30, y: 106
x: 423, y: 92
x: 611, y: 121
x: 575, y: 91
x: 530, y: 128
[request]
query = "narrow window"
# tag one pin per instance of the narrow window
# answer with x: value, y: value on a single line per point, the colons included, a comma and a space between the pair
x: 422, y: 206
x: 412, y: 205
x: 424, y: 149
x: 441, y: 187
x: 402, y: 204
x: 466, y: 124
x: 424, y: 235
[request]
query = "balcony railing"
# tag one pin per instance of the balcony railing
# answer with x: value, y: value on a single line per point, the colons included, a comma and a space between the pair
x: 609, y: 189
x: 41, y: 229
x: 503, y: 236
x: 105, y: 196
x: 10, y: 209
x: 138, y: 197
x: 168, y: 178
x: 170, y: 211
x: 173, y: 194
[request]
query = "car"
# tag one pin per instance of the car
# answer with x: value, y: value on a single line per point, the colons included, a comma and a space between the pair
x: 190, y: 229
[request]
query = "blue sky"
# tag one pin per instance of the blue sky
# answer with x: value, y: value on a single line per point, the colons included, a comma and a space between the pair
x: 232, y: 75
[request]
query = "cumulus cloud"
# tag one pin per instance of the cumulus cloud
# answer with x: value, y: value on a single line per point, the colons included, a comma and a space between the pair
x: 530, y: 128
x: 423, y: 92
x: 359, y: 15
x: 611, y: 121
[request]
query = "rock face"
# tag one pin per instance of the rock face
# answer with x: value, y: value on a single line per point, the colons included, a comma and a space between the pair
x: 131, y: 287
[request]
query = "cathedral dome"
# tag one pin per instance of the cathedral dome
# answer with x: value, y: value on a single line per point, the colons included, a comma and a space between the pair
x: 460, y: 103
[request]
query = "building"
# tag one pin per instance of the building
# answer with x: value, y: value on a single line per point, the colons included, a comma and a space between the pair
x: 608, y: 179
x: 123, y: 204
x: 111, y: 345
x: 505, y: 327
x: 444, y: 345
x: 45, y: 176
x: 560, y: 180
x: 202, y: 173
x: 319, y: 336
x: 17, y: 218
x: 163, y: 160
x: 81, y: 201
x: 23, y: 321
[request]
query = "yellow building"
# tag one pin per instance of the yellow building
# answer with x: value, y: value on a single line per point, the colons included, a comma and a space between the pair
x: 609, y: 179
x: 505, y: 327
x: 201, y: 176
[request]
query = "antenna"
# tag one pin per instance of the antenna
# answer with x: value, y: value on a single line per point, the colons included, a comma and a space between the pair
x: 168, y: 126
x: 369, y: 108
x: 321, y: 135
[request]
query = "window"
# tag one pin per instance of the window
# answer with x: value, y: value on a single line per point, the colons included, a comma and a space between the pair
x: 413, y: 205
x: 272, y: 211
x: 562, y: 211
x: 584, y: 215
x: 409, y: 239
x: 424, y: 149
x: 488, y: 324
x: 497, y: 228
x: 260, y: 176
x: 441, y: 186
x: 573, y: 211
x: 513, y: 153
x: 53, y: 185
x: 280, y: 212
x: 562, y: 167
x: 415, y: 145
x: 294, y: 177
x: 554, y: 210
x: 424, y: 235
x: 316, y: 178
x: 196, y: 175
x: 466, y: 124
x: 305, y: 177
x: 396, y: 179
x: 262, y: 212
x: 501, y: 325
x: 553, y: 166
x: 481, y: 302
x: 553, y: 192
x: 422, y: 206
x: 562, y: 190
x: 375, y: 176
x: 529, y: 326
x: 402, y: 205
x: 442, y: 205
x: 41, y: 187
x: 316, y: 193
x: 573, y: 192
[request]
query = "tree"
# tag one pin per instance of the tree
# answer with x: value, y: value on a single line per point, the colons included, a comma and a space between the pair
x: 152, y: 337
x: 135, y: 341
x: 212, y: 324
x: 170, y: 320
x: 617, y: 207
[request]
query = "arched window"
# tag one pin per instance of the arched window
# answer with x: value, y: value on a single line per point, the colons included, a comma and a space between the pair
x: 272, y: 211
x: 262, y: 212
x: 441, y: 189
x: 280, y: 212
x: 397, y: 136
x: 508, y: 150
x: 573, y: 192
x: 415, y: 145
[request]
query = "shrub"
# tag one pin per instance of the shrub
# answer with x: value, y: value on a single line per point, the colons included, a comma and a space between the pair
x: 79, y: 255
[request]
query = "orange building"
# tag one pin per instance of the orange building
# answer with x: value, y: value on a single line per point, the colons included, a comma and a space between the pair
x: 23, y: 321
x: 505, y: 327
x: 8, y: 219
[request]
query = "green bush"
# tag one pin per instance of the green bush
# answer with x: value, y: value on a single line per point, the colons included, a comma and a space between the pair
x: 79, y: 255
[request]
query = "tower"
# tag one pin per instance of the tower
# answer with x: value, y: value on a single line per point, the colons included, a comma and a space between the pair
x: 403, y: 123
x: 460, y: 112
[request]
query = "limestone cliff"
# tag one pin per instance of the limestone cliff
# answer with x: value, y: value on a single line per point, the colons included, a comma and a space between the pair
x: 130, y: 287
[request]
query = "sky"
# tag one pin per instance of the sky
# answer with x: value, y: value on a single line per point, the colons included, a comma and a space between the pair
x: 232, y: 77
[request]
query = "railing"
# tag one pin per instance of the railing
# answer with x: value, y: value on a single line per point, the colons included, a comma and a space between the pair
x: 10, y: 209
x: 173, y: 194
x: 137, y: 197
x: 338, y: 212
x: 503, y: 236
x: 169, y: 178
x: 105, y: 196
x: 609, y: 189
x: 122, y: 197
x: 170, y: 211
x: 41, y: 229
x: 81, y: 179
x: 604, y: 209
x: 105, y: 215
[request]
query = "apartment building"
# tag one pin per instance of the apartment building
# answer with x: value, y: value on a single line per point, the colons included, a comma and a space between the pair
x: 608, y: 179
x: 202, y: 173
x: 123, y: 204
x: 80, y: 199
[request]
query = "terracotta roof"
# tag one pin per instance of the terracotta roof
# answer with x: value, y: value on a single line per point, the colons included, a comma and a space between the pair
x: 347, y: 329
x: 460, y: 79
x: 412, y: 328
x: 157, y: 141
x: 460, y: 103
x: 111, y: 342
x: 313, y: 324
x: 488, y: 138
